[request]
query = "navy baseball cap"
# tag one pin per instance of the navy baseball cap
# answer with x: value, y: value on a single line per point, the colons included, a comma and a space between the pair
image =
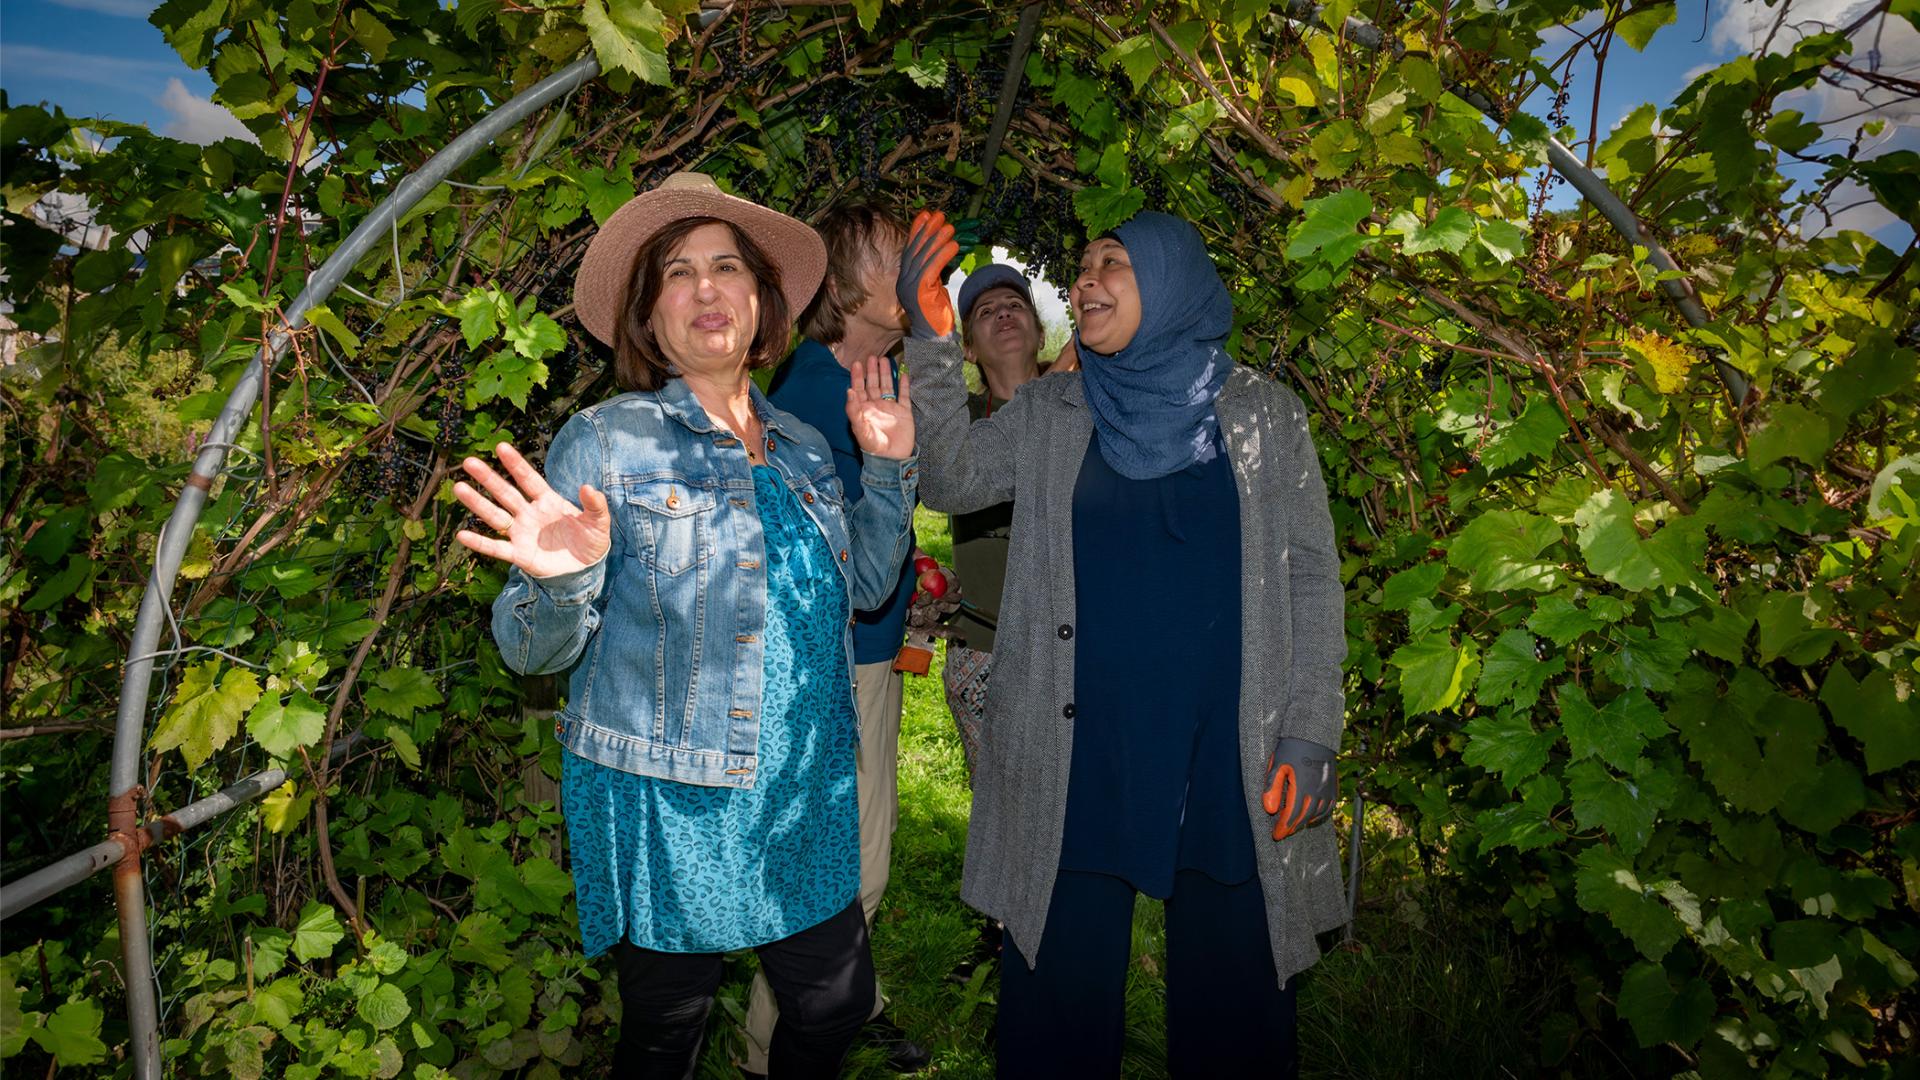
x: 992, y: 276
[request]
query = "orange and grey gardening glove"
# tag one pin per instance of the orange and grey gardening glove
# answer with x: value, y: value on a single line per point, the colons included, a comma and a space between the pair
x: 1302, y: 785
x: 922, y: 286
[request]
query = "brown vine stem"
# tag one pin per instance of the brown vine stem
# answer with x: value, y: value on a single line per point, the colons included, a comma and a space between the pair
x: 321, y: 775
x: 273, y: 253
x: 1241, y: 121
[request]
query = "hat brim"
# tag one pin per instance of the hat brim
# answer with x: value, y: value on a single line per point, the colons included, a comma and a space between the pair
x: 603, y: 283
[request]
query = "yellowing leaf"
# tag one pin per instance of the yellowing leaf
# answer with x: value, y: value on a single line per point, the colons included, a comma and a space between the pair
x: 629, y: 37
x: 1298, y: 88
x: 206, y: 711
x: 283, y: 808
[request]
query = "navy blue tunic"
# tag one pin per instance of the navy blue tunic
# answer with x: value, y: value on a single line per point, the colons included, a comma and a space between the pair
x: 1155, y: 786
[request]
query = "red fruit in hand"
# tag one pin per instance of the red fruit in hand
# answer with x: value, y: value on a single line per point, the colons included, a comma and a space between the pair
x: 924, y: 563
x: 934, y: 583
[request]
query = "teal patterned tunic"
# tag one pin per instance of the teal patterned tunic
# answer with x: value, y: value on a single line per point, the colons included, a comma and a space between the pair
x: 681, y: 868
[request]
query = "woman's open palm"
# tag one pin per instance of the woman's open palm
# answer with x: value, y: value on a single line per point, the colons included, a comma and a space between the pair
x: 882, y: 421
x: 545, y: 534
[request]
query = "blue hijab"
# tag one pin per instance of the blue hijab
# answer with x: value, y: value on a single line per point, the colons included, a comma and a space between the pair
x: 1152, y: 401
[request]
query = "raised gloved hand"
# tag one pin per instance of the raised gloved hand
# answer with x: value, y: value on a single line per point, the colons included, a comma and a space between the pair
x: 1303, y: 783
x: 922, y: 286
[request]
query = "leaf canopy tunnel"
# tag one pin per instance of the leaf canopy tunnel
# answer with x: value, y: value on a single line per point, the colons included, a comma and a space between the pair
x: 1632, y: 652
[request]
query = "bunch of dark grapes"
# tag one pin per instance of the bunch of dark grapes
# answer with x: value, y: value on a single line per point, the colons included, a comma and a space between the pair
x: 953, y: 90
x: 451, y: 419
x: 865, y: 139
x: 1154, y: 188
x: 392, y: 472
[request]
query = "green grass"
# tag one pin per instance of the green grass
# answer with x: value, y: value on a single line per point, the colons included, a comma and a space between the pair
x: 1427, y: 989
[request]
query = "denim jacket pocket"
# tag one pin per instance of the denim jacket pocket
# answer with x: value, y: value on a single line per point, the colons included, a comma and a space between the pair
x: 672, y: 524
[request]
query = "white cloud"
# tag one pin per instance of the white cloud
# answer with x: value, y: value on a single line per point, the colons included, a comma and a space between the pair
x: 198, y: 120
x: 1887, y: 44
x: 126, y: 9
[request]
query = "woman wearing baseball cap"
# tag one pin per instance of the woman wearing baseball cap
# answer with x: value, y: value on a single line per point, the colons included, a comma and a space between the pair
x: 688, y: 554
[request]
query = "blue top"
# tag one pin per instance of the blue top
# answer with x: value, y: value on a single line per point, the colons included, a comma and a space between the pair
x: 1155, y: 786
x: 684, y: 868
x: 813, y: 386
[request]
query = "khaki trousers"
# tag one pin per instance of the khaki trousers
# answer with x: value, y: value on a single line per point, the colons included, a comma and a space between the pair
x: 877, y: 690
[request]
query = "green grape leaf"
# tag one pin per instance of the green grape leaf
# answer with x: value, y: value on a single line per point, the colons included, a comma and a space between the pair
x: 1752, y: 744
x: 1871, y: 710
x: 481, y: 938
x: 1138, y: 56
x: 1560, y: 620
x: 1626, y: 807
x: 1524, y: 825
x: 1415, y: 583
x: 537, y: 338
x: 317, y: 932
x: 1435, y: 673
x: 399, y: 691
x: 1534, y: 435
x: 1605, y: 883
x: 385, y: 1008
x: 1640, y: 660
x: 1614, y: 549
x: 1614, y: 733
x: 1793, y: 431
x: 1721, y: 632
x: 1509, y: 745
x: 1823, y: 796
x: 479, y: 313
x: 1637, y: 29
x: 72, y: 1033
x: 1658, y: 1012
x: 283, y: 727
x: 1326, y: 229
x: 546, y: 883
x: 1451, y: 230
x: 1511, y: 671
x: 630, y: 37
x: 206, y: 711
x: 1786, y: 633
x: 1498, y: 549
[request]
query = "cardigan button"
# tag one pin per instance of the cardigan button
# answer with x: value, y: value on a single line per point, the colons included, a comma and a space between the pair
x: 1068, y: 711
x: 1065, y: 632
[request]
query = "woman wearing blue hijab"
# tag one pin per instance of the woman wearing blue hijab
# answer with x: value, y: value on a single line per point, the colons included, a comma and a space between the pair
x: 1167, y: 697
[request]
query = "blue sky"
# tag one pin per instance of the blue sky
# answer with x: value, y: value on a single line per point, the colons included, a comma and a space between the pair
x: 102, y: 58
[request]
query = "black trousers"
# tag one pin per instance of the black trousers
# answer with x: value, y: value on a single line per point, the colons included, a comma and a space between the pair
x: 822, y: 977
x: 1227, y: 1015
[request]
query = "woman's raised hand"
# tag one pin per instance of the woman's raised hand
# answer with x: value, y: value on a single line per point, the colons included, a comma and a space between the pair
x: 922, y: 286
x: 545, y: 534
x: 882, y: 421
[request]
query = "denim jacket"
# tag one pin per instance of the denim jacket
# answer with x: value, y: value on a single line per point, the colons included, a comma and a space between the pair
x: 663, y: 633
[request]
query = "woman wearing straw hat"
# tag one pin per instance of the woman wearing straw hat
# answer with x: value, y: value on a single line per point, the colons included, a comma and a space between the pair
x: 690, y: 556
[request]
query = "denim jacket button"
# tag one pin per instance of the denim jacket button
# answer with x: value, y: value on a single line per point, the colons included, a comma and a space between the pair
x: 843, y: 554
x: 809, y: 497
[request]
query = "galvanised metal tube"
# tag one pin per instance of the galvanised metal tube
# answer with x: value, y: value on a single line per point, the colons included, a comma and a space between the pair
x: 130, y: 732
x: 17, y: 896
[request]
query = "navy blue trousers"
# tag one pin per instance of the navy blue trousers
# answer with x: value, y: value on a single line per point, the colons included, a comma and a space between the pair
x: 1227, y: 1015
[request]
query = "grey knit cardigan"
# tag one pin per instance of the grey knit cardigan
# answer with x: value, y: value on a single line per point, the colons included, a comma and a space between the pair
x: 1292, y: 638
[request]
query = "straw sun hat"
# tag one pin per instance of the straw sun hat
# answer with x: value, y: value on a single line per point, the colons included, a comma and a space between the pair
x: 601, y: 287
